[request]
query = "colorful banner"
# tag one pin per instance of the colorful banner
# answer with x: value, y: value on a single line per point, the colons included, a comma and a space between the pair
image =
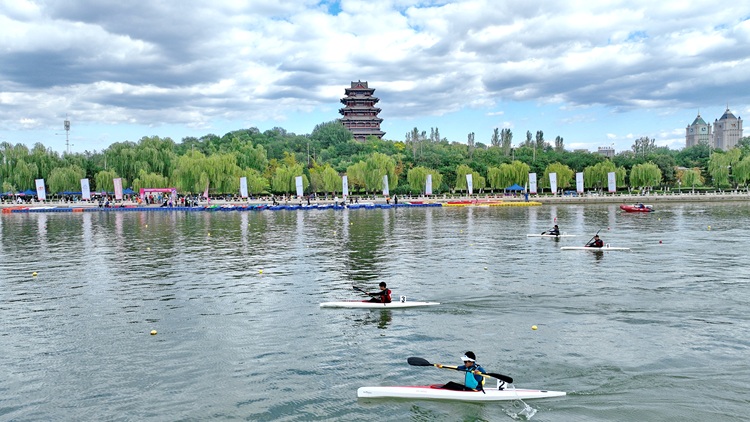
x: 428, y: 185
x: 579, y: 182
x: 85, y: 189
x: 469, y: 184
x: 612, y: 182
x: 205, y: 193
x: 118, y: 188
x: 41, y: 194
x: 532, y: 183
x: 243, y: 187
x: 345, y: 186
x: 386, y: 192
x: 300, y: 187
x: 553, y: 183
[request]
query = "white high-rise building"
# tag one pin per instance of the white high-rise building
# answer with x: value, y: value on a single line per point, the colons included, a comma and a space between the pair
x: 723, y: 134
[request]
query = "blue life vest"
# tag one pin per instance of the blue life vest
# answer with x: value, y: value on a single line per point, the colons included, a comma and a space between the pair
x: 470, y: 380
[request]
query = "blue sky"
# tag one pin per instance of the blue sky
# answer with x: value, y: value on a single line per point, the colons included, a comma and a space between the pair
x: 596, y: 73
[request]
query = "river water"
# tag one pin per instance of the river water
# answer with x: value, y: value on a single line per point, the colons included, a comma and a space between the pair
x: 661, y: 332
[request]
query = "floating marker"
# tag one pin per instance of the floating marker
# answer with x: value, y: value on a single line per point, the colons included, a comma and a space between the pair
x: 485, y: 268
x: 153, y: 332
x: 146, y: 225
x: 33, y: 274
x: 260, y: 271
x: 533, y: 327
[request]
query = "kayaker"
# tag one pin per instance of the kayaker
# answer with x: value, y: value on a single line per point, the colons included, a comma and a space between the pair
x: 555, y: 231
x: 595, y: 242
x: 383, y: 296
x: 472, y: 381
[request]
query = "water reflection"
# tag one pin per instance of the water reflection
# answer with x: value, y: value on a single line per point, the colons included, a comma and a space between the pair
x: 380, y: 318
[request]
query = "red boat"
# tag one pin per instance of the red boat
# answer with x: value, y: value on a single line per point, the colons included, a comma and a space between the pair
x: 637, y: 208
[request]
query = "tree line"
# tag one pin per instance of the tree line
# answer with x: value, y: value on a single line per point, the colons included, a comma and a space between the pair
x: 272, y: 159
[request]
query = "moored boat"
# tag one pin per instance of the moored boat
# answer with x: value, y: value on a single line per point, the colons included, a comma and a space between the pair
x: 435, y: 392
x: 637, y: 208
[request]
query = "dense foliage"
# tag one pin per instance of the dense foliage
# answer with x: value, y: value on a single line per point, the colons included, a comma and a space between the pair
x: 272, y: 160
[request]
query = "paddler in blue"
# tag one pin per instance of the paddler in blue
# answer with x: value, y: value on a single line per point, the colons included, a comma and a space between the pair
x: 555, y: 231
x: 472, y: 381
x: 383, y: 296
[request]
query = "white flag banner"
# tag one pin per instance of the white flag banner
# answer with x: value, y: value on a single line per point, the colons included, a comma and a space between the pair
x: 532, y: 183
x: 85, y: 189
x: 553, y: 183
x: 345, y: 186
x: 469, y: 184
x: 300, y: 188
x: 428, y: 185
x: 579, y: 182
x: 386, y: 191
x: 243, y: 187
x: 118, y: 188
x: 41, y: 194
x: 612, y: 182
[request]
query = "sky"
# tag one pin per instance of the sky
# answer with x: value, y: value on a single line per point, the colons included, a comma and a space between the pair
x: 598, y: 74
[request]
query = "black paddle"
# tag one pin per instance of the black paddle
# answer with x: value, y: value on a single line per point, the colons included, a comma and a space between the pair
x: 358, y: 289
x: 592, y: 237
x: 415, y: 361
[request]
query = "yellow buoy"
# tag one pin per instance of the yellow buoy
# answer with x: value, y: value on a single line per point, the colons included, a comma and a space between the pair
x: 148, y: 249
x: 146, y: 225
x: 33, y: 274
x: 260, y: 271
x: 209, y: 233
x: 153, y: 332
x: 485, y: 268
x: 533, y: 327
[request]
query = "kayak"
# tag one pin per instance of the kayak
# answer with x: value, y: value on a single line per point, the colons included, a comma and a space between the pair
x: 637, y: 208
x: 375, y: 305
x: 589, y: 248
x: 434, y: 392
x: 551, y: 235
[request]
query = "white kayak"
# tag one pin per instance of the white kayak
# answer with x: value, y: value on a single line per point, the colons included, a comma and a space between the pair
x: 375, y: 305
x: 434, y: 392
x: 593, y: 249
x: 551, y: 235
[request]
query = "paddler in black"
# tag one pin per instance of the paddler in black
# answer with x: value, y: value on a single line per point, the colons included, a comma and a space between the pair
x: 472, y: 381
x: 555, y: 231
x: 383, y: 296
x: 595, y: 242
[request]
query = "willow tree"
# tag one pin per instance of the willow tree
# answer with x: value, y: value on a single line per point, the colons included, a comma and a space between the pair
x: 478, y: 181
x: 105, y: 181
x: 597, y: 176
x: 508, y: 174
x: 564, y: 176
x: 23, y: 175
x: 324, y: 179
x: 417, y: 178
x: 720, y: 164
x: 645, y: 175
x: 741, y: 171
x: 690, y: 177
x: 150, y: 180
x: 256, y: 183
x: 194, y: 172
x: 285, y: 178
x: 65, y: 178
x: 369, y: 173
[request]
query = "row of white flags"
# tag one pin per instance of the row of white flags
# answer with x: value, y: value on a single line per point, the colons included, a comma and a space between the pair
x: 86, y: 190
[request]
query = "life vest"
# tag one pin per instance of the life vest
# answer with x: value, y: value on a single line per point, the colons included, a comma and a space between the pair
x: 385, y: 296
x: 470, y: 380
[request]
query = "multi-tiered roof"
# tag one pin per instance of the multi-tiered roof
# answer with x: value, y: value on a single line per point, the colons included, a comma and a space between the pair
x: 360, y: 113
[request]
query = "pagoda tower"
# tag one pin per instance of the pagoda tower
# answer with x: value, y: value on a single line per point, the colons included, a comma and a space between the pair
x: 360, y: 113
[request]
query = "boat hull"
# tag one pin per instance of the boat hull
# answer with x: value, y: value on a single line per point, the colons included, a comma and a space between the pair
x: 551, y: 235
x: 633, y: 208
x: 375, y: 305
x: 434, y: 392
x: 591, y: 249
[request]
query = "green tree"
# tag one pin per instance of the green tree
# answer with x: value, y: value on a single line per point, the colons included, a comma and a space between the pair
x: 65, y: 179
x: 720, y: 164
x: 564, y: 176
x: 104, y: 181
x: 645, y: 175
x: 417, y: 179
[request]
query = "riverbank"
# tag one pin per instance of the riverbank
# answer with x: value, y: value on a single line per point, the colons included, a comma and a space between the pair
x: 652, y: 198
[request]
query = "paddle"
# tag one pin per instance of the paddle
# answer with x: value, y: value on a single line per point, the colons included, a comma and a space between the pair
x: 592, y: 237
x: 415, y: 361
x: 357, y: 288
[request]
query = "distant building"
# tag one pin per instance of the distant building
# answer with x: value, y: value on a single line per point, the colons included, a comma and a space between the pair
x: 727, y: 131
x: 608, y: 152
x: 724, y: 134
x: 698, y: 132
x: 360, y: 113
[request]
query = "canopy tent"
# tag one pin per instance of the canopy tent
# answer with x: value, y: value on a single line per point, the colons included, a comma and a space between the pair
x: 67, y: 192
x: 128, y: 191
x: 515, y: 188
x: 9, y: 193
x: 29, y: 192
